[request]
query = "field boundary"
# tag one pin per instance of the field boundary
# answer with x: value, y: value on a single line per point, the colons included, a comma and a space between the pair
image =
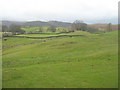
x: 45, y: 37
x: 38, y: 41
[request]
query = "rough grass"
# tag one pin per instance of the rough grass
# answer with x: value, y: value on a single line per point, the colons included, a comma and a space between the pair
x: 35, y: 35
x: 29, y: 29
x: 77, y: 62
x: 44, y: 29
x: 11, y: 41
x: 48, y: 35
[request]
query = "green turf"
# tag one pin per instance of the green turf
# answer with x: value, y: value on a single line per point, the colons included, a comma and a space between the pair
x: 11, y: 41
x: 44, y: 29
x: 48, y: 35
x: 79, y: 62
x: 35, y: 35
x: 30, y: 29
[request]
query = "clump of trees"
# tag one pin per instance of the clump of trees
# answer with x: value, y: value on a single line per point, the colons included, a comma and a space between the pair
x: 4, y: 28
x: 16, y: 29
x: 92, y: 30
x: 52, y: 29
x: 40, y: 29
x: 109, y: 28
x: 13, y: 29
x: 79, y: 25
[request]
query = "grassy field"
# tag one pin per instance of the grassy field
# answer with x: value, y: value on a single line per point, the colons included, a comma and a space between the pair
x: 35, y: 35
x: 11, y: 41
x: 31, y: 29
x: 48, y: 34
x: 44, y: 29
x: 89, y: 61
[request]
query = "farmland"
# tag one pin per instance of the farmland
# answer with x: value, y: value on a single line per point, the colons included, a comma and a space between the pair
x: 59, y: 44
x: 11, y: 41
x: 53, y: 34
x: 44, y: 29
x: 88, y: 61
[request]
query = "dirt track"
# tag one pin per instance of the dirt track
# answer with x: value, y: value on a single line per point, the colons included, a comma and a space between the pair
x: 39, y: 38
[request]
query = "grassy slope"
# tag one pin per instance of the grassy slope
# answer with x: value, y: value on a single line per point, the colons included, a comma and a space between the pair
x: 47, y: 35
x: 11, y: 41
x: 35, y: 35
x: 31, y: 29
x: 84, y: 62
x: 44, y: 28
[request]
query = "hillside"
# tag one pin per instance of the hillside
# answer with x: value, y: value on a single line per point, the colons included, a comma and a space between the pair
x: 37, y: 23
x: 89, y: 61
x: 8, y: 23
x: 103, y: 26
x: 55, y: 23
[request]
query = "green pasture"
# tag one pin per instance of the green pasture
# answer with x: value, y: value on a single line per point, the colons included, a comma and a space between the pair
x: 48, y: 34
x: 11, y: 41
x: 89, y: 61
x: 35, y: 35
x: 30, y: 29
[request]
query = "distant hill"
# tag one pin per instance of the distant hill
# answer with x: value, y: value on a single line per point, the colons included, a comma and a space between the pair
x: 59, y: 24
x: 8, y: 23
x: 55, y: 23
x: 103, y: 26
x: 37, y: 23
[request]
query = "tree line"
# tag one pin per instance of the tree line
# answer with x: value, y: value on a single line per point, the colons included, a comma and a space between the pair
x: 13, y: 29
x: 76, y: 25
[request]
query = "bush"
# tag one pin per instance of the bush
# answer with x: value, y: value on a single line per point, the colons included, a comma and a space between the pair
x: 93, y: 30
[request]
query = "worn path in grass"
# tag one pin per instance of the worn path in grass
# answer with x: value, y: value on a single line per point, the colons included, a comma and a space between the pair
x: 27, y: 43
x: 47, y: 39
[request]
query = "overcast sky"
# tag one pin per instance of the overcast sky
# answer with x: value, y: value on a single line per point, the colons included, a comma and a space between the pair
x: 90, y: 11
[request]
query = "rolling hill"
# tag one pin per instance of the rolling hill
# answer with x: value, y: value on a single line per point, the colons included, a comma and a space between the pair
x: 37, y: 23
